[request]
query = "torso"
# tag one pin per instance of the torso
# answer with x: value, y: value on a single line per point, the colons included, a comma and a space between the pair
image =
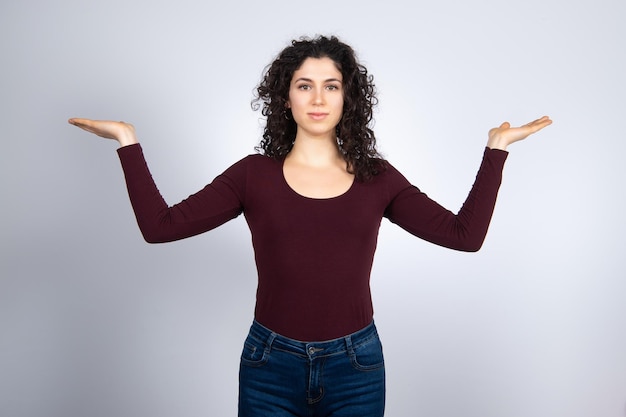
x: 314, y: 234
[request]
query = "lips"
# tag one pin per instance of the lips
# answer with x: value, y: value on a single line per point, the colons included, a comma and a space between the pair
x: 317, y: 116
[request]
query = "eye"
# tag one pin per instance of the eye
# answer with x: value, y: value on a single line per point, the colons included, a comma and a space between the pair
x: 333, y: 87
x: 304, y: 87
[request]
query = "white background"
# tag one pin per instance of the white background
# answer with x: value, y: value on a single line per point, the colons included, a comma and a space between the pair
x: 95, y: 322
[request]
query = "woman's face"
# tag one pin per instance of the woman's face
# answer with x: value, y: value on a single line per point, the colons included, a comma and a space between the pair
x: 316, y: 97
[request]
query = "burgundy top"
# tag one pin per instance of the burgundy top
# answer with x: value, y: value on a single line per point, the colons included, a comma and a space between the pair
x: 313, y: 256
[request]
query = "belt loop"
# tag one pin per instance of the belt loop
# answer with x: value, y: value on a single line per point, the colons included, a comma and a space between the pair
x: 270, y: 340
x: 348, y: 340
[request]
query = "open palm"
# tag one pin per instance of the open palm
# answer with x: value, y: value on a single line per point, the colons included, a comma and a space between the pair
x: 122, y: 132
x: 502, y: 136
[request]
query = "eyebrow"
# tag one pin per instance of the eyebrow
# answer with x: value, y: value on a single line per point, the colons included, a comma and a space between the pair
x: 308, y: 80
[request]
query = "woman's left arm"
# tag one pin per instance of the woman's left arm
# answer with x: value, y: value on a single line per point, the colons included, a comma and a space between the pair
x: 415, y: 212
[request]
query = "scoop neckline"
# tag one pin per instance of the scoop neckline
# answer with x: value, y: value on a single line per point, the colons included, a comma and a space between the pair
x: 290, y: 188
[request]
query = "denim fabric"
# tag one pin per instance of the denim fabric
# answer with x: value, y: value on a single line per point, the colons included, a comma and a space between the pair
x: 282, y: 377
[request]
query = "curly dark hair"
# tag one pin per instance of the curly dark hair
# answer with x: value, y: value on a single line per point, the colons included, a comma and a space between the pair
x: 355, y: 136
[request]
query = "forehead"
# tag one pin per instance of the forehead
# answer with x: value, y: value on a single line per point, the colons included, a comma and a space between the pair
x: 317, y: 68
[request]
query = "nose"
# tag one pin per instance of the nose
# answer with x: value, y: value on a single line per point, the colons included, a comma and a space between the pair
x: 318, y: 97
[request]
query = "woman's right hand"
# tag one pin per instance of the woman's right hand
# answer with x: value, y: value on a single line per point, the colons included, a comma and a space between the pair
x: 122, y: 132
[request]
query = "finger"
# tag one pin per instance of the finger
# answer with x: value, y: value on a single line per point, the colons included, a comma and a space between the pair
x: 82, y: 123
x: 539, y: 124
x: 75, y: 120
x: 97, y: 127
x: 545, y: 121
x: 542, y: 120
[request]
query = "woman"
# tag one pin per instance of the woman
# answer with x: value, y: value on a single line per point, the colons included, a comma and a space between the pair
x: 314, y: 199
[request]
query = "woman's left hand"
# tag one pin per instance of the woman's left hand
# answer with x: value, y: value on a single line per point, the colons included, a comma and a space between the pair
x: 504, y: 135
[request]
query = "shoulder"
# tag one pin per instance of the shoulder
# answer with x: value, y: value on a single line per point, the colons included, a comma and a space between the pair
x: 254, y: 161
x: 260, y: 159
x: 386, y: 184
x: 251, y: 166
x: 388, y: 174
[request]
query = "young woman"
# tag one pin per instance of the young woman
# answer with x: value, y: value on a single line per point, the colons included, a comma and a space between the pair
x: 314, y: 198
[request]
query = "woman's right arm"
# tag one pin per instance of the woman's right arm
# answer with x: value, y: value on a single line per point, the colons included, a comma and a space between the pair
x: 212, y: 206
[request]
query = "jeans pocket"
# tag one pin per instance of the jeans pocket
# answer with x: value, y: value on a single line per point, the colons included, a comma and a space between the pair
x: 255, y: 352
x: 368, y: 355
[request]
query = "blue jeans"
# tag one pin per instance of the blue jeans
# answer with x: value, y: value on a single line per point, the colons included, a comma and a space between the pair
x: 282, y: 377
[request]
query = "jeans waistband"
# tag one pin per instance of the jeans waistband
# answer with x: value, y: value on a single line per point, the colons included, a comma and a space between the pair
x: 312, y: 349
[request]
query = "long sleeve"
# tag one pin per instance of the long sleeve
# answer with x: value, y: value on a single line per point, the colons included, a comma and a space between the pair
x: 415, y: 212
x: 212, y: 206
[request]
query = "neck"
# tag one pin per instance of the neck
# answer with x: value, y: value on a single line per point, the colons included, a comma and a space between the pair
x: 315, y: 151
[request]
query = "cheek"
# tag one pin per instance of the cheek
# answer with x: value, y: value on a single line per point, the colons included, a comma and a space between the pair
x: 294, y: 101
x: 339, y: 104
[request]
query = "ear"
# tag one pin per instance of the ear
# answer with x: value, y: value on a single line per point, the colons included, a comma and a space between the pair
x: 287, y: 105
